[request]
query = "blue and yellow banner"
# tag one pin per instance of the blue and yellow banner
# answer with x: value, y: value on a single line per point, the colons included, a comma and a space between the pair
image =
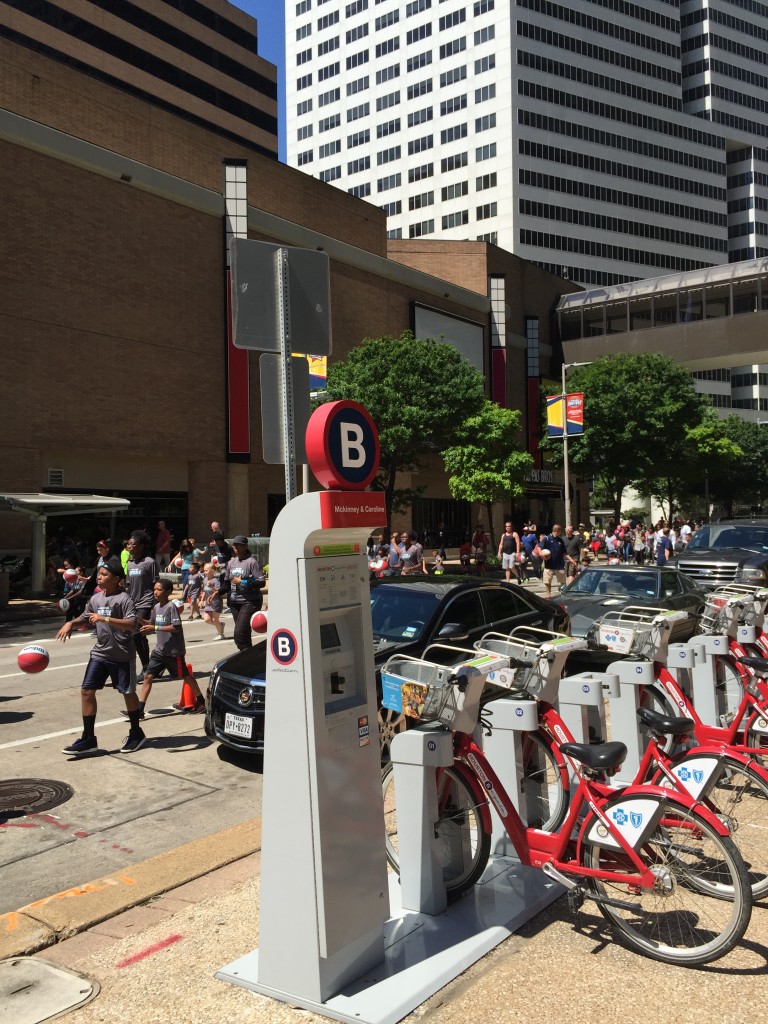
x: 318, y: 372
x: 565, y: 412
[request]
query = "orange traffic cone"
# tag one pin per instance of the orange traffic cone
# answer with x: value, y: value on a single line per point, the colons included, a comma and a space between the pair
x: 187, y: 698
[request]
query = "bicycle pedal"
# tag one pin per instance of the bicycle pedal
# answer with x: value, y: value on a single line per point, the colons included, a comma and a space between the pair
x: 575, y: 899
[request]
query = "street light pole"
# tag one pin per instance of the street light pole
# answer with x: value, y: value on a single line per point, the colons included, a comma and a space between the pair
x: 566, y: 480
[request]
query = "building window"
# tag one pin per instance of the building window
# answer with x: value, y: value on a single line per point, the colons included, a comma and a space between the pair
x: 328, y: 72
x: 359, y: 85
x: 327, y: 20
x: 356, y: 7
x: 327, y: 123
x: 483, y: 6
x: 331, y: 174
x: 422, y: 200
x: 485, y: 152
x: 419, y: 89
x: 484, y: 34
x: 384, y: 20
x: 358, y: 32
x: 420, y: 116
x: 303, y: 31
x: 532, y: 339
x: 392, y: 209
x: 461, y: 188
x: 454, y: 46
x: 303, y: 108
x: 387, y: 74
x: 305, y: 132
x: 455, y: 75
x: 420, y: 145
x: 388, y: 128
x: 362, y: 57
x: 419, y: 173
x: 457, y: 131
x: 417, y: 7
x: 485, y: 64
x: 415, y: 34
x: 388, y: 46
x: 450, y: 163
x: 391, y: 181
x: 304, y: 82
x: 329, y: 149
x: 453, y: 104
x: 455, y: 220
x: 395, y: 233
x: 486, y: 210
x: 449, y: 20
x: 386, y: 156
x: 305, y: 157
x: 360, y: 191
x: 390, y: 100
x: 362, y: 110
x: 419, y: 61
x: 359, y: 138
x: 426, y: 227
x: 485, y: 181
x: 303, y: 7
x: 487, y: 92
x: 482, y: 124
x: 330, y: 97
x: 361, y: 164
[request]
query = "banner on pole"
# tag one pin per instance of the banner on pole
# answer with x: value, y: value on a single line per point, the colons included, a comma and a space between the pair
x: 565, y: 413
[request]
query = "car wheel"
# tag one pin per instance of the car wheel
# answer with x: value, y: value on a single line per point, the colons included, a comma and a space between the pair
x: 390, y: 724
x: 208, y: 726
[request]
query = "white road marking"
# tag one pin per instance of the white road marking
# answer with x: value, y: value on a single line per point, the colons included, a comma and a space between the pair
x: 51, y: 668
x: 53, y: 735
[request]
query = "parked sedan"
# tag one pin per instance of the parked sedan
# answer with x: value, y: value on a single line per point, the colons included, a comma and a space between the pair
x: 609, y: 588
x: 408, y: 614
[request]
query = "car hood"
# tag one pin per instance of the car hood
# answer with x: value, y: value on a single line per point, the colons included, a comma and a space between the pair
x: 248, y: 664
x: 585, y: 608
x: 739, y: 555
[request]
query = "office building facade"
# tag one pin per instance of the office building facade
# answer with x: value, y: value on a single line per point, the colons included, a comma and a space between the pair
x: 604, y: 140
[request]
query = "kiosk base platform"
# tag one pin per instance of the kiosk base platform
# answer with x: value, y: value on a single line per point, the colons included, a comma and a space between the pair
x: 424, y: 953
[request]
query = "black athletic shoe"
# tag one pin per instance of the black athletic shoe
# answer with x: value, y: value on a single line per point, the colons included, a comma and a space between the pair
x: 82, y: 747
x: 133, y: 743
x: 126, y: 714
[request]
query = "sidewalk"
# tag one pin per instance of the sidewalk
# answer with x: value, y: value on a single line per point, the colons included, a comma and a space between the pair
x: 156, y: 963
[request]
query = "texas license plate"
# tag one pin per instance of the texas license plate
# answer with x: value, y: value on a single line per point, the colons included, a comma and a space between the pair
x: 238, y: 725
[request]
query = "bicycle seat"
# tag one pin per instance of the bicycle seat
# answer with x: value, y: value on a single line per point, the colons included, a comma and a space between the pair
x: 760, y: 665
x: 661, y: 723
x: 596, y: 755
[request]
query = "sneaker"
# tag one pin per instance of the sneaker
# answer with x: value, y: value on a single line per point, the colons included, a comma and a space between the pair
x: 133, y: 743
x: 125, y: 714
x: 219, y: 636
x: 82, y: 747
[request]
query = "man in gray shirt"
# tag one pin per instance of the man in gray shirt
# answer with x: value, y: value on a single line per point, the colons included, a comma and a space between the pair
x: 113, y: 614
x: 141, y: 573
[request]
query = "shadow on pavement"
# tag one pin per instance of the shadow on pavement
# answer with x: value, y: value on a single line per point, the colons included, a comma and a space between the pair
x: 248, y: 762
x: 11, y: 717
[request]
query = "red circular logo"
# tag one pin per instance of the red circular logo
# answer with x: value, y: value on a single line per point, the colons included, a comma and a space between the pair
x: 343, y: 446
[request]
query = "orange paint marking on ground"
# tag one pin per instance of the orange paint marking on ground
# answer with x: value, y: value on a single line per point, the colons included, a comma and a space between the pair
x: 83, y: 890
x: 9, y: 922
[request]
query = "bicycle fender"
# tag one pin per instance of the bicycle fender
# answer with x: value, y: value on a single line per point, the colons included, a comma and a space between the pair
x: 696, y: 772
x: 635, y: 813
x: 479, y: 793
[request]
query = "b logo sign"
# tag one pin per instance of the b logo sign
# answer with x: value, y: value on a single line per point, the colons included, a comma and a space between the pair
x: 284, y: 646
x: 343, y: 446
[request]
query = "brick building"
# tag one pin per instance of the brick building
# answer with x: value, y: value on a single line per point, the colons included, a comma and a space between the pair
x: 114, y: 297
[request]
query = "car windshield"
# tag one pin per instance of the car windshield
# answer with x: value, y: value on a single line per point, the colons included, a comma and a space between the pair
x: 717, y: 536
x: 401, y: 612
x: 614, y: 583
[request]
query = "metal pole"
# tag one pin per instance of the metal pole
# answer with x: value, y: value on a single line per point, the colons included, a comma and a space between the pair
x: 566, y: 481
x: 286, y: 373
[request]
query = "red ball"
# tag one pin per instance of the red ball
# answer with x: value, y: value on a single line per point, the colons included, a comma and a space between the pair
x: 259, y: 622
x: 70, y: 575
x: 178, y: 563
x: 33, y: 658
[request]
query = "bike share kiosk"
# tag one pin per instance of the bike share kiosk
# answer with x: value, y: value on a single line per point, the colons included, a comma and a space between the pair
x: 324, y: 894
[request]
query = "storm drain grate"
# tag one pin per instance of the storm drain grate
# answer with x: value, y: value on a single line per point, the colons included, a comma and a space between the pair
x: 25, y: 796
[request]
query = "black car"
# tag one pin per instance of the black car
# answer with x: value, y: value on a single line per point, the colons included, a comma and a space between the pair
x: 728, y: 551
x: 408, y: 614
x: 610, y: 588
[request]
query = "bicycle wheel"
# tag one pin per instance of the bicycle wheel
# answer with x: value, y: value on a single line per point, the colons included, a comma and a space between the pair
x: 730, y: 688
x: 740, y: 798
x: 464, y: 845
x: 546, y: 795
x: 700, y: 906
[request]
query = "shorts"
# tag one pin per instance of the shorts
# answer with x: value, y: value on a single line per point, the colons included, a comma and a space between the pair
x: 122, y: 674
x: 159, y: 663
x: 509, y: 561
x: 553, y: 574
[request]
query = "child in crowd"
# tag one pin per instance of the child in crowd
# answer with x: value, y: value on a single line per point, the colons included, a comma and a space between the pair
x: 193, y: 590
x: 170, y: 649
x: 379, y: 563
x: 212, y: 601
x: 437, y: 560
x: 465, y: 552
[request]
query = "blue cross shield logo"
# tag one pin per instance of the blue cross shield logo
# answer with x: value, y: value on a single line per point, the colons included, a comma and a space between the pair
x: 636, y: 818
x: 698, y: 775
x: 619, y: 816
x: 683, y: 774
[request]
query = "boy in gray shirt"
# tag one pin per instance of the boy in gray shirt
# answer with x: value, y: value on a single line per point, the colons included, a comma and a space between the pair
x: 113, y: 614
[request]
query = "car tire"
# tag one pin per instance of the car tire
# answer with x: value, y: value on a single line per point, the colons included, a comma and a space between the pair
x: 390, y: 724
x: 208, y: 726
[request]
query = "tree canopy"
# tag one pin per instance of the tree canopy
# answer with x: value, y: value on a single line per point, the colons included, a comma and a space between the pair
x: 638, y: 410
x: 487, y: 464
x: 419, y: 393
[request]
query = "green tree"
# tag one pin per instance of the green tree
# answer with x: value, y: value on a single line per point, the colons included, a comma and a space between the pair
x: 419, y: 392
x: 703, y: 450
x: 635, y: 408
x: 742, y: 480
x: 486, y: 464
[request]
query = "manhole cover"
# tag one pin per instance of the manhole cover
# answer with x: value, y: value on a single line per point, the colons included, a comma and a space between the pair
x: 23, y: 796
x: 33, y: 991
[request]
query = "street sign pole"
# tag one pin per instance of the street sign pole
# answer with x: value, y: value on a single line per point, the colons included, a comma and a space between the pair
x: 286, y: 370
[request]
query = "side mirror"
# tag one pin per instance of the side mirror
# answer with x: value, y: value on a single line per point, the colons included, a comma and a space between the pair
x: 562, y: 589
x: 453, y: 631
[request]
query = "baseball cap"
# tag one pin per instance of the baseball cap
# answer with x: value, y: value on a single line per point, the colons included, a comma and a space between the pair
x: 240, y: 539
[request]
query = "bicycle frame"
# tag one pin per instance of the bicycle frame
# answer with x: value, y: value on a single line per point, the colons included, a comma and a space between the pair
x: 549, y: 850
x: 753, y: 705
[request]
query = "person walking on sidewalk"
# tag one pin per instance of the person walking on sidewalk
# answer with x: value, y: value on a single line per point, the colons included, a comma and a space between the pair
x: 509, y: 553
x: 554, y: 562
x: 170, y: 649
x: 141, y: 573
x: 212, y: 602
x: 246, y: 579
x: 113, y: 614
x: 193, y: 590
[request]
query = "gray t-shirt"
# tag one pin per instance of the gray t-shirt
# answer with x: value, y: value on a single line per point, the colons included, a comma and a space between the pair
x: 238, y: 569
x: 111, y: 644
x: 212, y: 595
x: 166, y: 642
x: 139, y: 581
x: 195, y: 585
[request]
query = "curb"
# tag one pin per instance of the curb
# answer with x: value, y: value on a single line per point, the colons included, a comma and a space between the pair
x: 54, y: 918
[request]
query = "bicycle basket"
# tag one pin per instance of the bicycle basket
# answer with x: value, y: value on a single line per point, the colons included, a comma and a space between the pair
x: 428, y: 692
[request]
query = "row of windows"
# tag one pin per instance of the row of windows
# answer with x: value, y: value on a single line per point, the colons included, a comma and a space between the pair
x: 599, y: 25
x: 612, y: 167
x: 720, y: 401
x: 618, y: 225
x: 746, y: 380
x: 750, y: 403
x: 621, y: 115
x: 742, y: 124
x: 595, y: 81
x: 602, y: 250
x: 619, y: 141
x: 640, y: 13
x: 633, y: 200
x: 743, y: 28
x: 747, y: 203
x: 721, y: 375
x: 585, y: 275
x: 719, y: 42
x: 741, y: 74
x: 598, y: 53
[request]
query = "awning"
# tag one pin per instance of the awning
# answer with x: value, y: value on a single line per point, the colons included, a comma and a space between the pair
x: 59, y: 504
x: 41, y: 507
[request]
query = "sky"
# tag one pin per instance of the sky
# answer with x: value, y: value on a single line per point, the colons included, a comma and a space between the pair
x: 270, y: 15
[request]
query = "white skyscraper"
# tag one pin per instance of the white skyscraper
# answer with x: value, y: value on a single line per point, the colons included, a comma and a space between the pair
x: 603, y: 139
